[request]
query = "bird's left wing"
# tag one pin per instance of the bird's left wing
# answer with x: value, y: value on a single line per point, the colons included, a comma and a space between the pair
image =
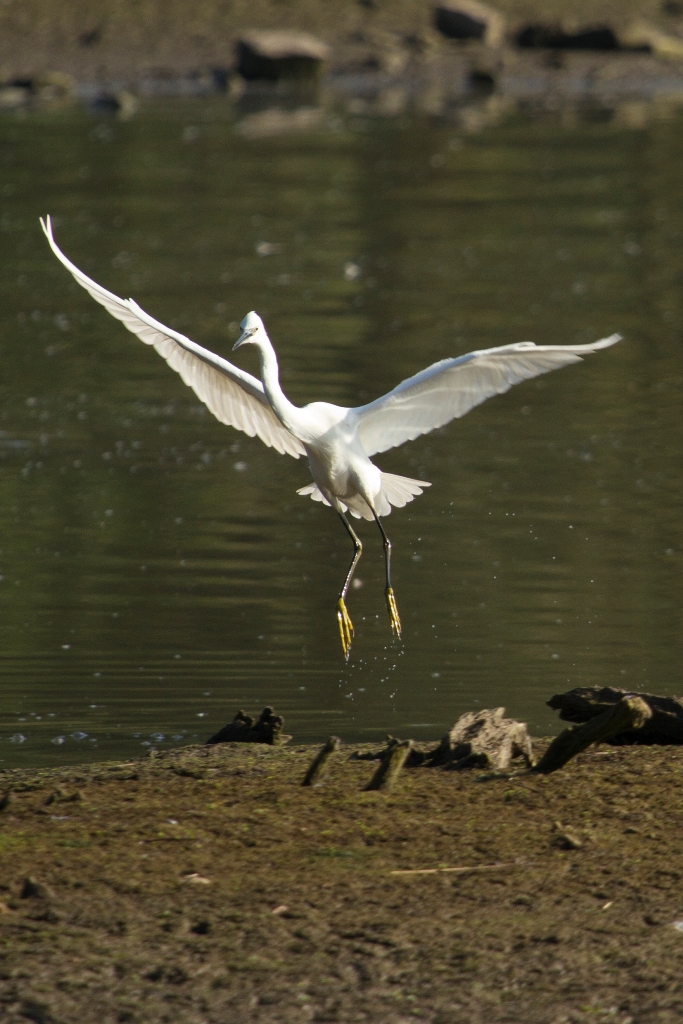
x: 232, y: 395
x: 450, y: 388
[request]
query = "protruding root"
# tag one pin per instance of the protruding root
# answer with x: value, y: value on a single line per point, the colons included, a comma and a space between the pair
x: 345, y: 628
x: 393, y: 760
x: 393, y: 612
x: 320, y: 761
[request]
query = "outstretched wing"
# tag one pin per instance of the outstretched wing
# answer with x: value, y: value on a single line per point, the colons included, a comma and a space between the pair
x: 450, y: 388
x: 232, y: 395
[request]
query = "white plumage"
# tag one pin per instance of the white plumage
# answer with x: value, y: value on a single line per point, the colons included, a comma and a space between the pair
x: 339, y: 442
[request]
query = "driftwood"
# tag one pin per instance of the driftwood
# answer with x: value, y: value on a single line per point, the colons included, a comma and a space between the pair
x: 319, y: 763
x: 243, y: 729
x: 483, y: 739
x: 479, y: 739
x: 586, y: 702
x: 391, y: 764
x: 630, y: 713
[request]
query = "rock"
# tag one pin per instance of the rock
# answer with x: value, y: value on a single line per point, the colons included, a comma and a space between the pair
x: 586, y: 702
x: 483, y: 739
x: 644, y: 37
x: 32, y: 889
x: 53, y: 87
x: 566, y: 838
x: 5, y: 800
x: 469, y: 19
x: 276, y: 55
x: 243, y: 729
x: 47, y: 87
x: 123, y: 104
x: 551, y: 35
x: 12, y: 96
x: 91, y: 36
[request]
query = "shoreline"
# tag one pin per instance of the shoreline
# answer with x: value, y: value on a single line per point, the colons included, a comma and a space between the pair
x: 206, y: 884
x: 367, y: 48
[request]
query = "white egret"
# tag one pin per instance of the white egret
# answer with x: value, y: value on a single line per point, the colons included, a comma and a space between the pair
x: 338, y: 441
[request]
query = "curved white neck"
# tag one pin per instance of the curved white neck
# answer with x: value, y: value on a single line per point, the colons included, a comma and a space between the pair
x: 270, y: 378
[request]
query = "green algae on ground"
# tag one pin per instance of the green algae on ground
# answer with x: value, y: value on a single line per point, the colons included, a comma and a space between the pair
x: 206, y: 885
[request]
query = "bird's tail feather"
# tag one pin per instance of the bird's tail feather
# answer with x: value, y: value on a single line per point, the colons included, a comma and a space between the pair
x: 396, y: 491
x: 315, y: 493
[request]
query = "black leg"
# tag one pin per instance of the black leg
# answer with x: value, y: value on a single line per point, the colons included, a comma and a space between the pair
x: 343, y: 619
x: 389, y: 593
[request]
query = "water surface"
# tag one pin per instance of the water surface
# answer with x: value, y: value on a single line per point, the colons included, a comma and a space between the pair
x: 158, y: 570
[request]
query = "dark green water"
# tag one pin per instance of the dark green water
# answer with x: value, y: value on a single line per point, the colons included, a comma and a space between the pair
x: 158, y: 569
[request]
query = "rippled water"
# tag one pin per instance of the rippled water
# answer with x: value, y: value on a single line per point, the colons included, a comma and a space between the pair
x: 158, y: 570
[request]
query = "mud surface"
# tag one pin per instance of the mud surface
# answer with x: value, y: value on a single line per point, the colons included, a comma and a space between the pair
x: 205, y: 885
x: 123, y: 40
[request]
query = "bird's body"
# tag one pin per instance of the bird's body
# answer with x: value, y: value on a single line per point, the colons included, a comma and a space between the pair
x: 339, y: 442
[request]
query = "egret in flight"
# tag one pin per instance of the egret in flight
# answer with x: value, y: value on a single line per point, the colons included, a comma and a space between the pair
x: 338, y: 442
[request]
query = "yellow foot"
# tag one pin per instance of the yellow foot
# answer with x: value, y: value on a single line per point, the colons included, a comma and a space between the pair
x: 345, y: 628
x: 393, y: 612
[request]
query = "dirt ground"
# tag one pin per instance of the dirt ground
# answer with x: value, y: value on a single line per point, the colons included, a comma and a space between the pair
x: 124, y: 40
x: 206, y: 886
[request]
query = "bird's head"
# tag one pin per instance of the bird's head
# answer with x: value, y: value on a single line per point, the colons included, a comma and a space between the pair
x: 253, y: 331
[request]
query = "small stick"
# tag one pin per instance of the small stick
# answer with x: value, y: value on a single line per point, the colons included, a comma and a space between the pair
x: 630, y: 712
x: 460, y: 871
x: 319, y: 762
x: 392, y: 762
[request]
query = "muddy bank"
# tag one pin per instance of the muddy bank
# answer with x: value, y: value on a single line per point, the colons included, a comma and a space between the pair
x: 206, y: 885
x: 153, y: 48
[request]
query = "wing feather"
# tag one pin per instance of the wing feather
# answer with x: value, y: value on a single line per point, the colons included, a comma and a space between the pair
x: 450, y: 388
x: 232, y: 395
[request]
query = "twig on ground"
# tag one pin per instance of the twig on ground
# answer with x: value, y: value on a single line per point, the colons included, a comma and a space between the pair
x: 458, y: 870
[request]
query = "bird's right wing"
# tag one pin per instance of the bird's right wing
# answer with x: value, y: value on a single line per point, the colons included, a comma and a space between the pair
x: 450, y: 388
x: 232, y: 395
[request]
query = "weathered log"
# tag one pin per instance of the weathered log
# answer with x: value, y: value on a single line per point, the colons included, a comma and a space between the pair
x: 390, y: 767
x: 483, y: 739
x: 243, y: 729
x: 629, y: 713
x: 319, y: 763
x: 586, y: 702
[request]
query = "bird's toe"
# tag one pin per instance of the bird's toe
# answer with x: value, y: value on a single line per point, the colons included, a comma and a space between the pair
x: 345, y: 627
x: 394, y: 617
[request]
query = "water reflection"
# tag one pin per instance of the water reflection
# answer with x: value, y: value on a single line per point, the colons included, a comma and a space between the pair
x: 158, y: 570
